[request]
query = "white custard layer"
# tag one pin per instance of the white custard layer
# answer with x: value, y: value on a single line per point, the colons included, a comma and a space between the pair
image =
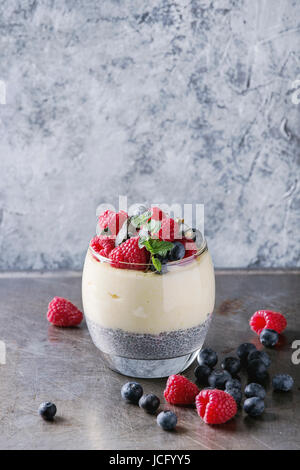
x: 147, y: 302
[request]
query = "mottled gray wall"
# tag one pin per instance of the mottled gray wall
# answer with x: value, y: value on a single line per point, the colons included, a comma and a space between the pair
x: 193, y: 101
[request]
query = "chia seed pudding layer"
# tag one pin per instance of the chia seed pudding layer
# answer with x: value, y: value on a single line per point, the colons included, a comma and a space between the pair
x: 148, y: 346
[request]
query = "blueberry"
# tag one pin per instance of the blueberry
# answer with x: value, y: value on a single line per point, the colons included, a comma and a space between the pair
x: 218, y: 378
x: 167, y: 420
x: 269, y: 338
x: 202, y: 373
x: 260, y: 355
x: 255, y: 390
x: 236, y: 393
x: 233, y: 383
x: 282, y: 382
x: 254, y: 406
x: 177, y: 252
x: 47, y: 410
x: 149, y: 402
x: 132, y: 392
x: 163, y: 261
x: 208, y: 357
x: 232, y: 365
x: 257, y: 370
x: 243, y: 350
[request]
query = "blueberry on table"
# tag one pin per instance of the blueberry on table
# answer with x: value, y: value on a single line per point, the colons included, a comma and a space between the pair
x: 236, y: 393
x: 132, y: 392
x: 167, y: 420
x: 208, y: 357
x: 282, y: 382
x: 260, y: 355
x: 257, y: 370
x: 218, y: 379
x: 232, y: 365
x: 243, y: 350
x: 202, y: 373
x: 255, y: 390
x: 177, y: 252
x: 47, y: 410
x: 269, y: 338
x: 233, y: 383
x: 254, y: 406
x: 149, y: 402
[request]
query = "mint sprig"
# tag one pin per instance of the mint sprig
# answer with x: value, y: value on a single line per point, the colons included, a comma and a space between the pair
x: 156, y: 263
x: 156, y: 247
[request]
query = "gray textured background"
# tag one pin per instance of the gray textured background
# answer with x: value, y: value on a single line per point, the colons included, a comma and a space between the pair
x: 169, y: 102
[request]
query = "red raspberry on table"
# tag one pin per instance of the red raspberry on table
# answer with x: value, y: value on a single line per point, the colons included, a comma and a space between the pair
x: 267, y: 319
x: 61, y: 312
x: 180, y: 391
x: 102, y: 246
x: 129, y: 252
x: 112, y: 221
x: 215, y: 406
x: 169, y: 230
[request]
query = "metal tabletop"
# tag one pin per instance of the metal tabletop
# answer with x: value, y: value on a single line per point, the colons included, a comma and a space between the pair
x: 45, y: 363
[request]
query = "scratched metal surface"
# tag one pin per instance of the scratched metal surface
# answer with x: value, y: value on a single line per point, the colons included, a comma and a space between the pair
x: 62, y: 365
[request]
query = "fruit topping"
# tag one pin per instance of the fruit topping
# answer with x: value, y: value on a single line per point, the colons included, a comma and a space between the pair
x: 129, y: 255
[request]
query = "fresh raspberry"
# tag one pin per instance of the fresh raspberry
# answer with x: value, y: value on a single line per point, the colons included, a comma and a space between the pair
x: 61, y: 312
x: 157, y: 213
x: 112, y: 221
x: 215, y: 406
x: 102, y: 246
x: 267, y: 319
x: 169, y: 230
x: 190, y: 248
x: 180, y: 391
x: 129, y: 252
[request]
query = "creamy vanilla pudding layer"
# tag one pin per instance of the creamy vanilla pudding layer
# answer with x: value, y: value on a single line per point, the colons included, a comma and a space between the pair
x: 147, y: 303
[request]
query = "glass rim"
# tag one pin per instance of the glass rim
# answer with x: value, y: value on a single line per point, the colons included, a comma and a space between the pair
x: 202, y: 249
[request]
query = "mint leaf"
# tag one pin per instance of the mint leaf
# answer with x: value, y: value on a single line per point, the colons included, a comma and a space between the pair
x: 142, y: 219
x: 156, y: 263
x: 147, y: 244
x: 157, y: 247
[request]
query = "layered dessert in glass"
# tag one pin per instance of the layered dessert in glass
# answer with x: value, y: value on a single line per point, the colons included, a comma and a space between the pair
x: 148, y: 292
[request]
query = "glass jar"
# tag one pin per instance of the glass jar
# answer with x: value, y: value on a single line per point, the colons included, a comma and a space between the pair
x: 146, y: 324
